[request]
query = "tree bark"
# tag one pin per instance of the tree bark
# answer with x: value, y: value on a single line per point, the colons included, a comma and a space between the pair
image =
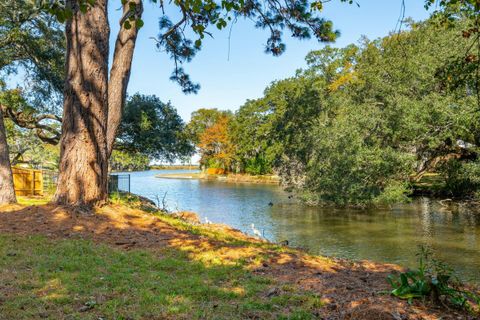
x: 120, y: 72
x: 7, y: 191
x: 83, y: 150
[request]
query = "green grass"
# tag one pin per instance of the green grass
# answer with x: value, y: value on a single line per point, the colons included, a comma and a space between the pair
x: 77, y: 279
x: 34, y: 201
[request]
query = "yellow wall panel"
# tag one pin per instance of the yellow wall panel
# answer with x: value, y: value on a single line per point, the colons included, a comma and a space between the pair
x: 27, y: 182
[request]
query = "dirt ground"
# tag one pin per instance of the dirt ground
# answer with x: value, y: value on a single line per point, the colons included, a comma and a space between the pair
x: 351, y: 290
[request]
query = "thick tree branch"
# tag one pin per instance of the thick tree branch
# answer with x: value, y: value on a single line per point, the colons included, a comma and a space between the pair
x: 45, y: 132
x: 120, y: 73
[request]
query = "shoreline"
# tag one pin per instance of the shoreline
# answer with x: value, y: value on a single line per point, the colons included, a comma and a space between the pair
x: 175, y: 167
x: 192, y: 253
x: 230, y: 178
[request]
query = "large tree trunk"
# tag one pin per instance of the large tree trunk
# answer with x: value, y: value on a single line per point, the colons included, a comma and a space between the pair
x: 7, y: 192
x: 83, y: 154
x: 120, y: 72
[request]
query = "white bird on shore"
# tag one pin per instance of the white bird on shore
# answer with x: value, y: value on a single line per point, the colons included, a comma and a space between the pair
x: 256, y: 232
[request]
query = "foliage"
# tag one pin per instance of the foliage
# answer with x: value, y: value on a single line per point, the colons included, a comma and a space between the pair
x: 32, y: 48
x: 346, y: 168
x: 300, y: 18
x: 462, y: 178
x: 209, y: 130
x: 462, y: 70
x: 215, y: 145
x: 127, y: 161
x: 257, y: 166
x: 359, y: 122
x: 266, y: 128
x: 26, y: 148
x: 31, y: 42
x: 14, y: 103
x: 202, y: 119
x: 249, y: 131
x: 433, y: 279
x: 152, y: 130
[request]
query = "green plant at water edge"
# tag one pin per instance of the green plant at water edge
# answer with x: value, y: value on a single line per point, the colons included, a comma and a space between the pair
x: 257, y: 166
x: 462, y: 179
x: 435, y: 280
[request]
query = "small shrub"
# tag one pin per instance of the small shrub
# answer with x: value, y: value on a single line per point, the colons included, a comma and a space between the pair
x: 394, y: 192
x: 435, y: 280
x: 257, y: 166
x: 462, y: 179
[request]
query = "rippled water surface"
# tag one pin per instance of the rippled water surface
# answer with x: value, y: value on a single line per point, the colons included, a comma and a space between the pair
x: 379, y: 235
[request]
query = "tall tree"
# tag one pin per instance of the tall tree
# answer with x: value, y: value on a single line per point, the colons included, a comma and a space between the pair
x: 93, y: 103
x: 30, y: 41
x: 83, y: 153
x: 7, y: 191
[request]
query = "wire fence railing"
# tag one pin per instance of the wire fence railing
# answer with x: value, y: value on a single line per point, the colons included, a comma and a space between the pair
x: 116, y: 182
x: 50, y: 180
x: 119, y: 183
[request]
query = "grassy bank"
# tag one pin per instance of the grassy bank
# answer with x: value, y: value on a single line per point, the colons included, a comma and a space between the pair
x: 42, y: 278
x: 122, y: 262
x: 77, y: 277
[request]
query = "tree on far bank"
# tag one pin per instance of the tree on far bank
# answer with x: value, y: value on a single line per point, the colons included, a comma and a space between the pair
x: 215, y: 145
x: 203, y: 119
x: 127, y: 161
x: 153, y: 130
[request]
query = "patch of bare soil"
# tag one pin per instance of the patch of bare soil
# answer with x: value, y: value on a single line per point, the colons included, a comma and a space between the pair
x: 350, y: 290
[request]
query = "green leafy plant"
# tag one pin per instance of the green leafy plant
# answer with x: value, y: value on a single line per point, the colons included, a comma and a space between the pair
x: 462, y: 178
x: 435, y: 280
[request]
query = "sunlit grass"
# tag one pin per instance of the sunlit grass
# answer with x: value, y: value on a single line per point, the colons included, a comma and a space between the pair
x: 209, y: 279
x: 34, y: 200
x: 52, y: 279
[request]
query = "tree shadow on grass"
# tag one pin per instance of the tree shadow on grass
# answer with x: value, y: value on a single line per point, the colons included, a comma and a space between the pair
x: 122, y: 263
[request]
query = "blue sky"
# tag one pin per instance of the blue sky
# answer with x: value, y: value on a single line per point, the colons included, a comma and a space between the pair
x: 227, y: 82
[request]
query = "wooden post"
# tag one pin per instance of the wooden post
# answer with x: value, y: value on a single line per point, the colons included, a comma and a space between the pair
x: 33, y: 182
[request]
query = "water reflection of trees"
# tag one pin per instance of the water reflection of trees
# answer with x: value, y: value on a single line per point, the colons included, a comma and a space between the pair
x: 383, y: 234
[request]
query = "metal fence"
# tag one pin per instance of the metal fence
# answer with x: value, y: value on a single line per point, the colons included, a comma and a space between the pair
x: 50, y: 180
x: 116, y: 182
x: 119, y: 183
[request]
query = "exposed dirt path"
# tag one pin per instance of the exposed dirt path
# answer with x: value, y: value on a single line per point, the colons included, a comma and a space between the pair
x: 351, y: 290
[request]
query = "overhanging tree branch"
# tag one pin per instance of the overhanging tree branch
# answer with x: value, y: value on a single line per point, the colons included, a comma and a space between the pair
x: 46, y: 133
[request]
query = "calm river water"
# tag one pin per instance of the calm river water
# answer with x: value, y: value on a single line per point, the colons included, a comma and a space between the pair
x: 378, y: 235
